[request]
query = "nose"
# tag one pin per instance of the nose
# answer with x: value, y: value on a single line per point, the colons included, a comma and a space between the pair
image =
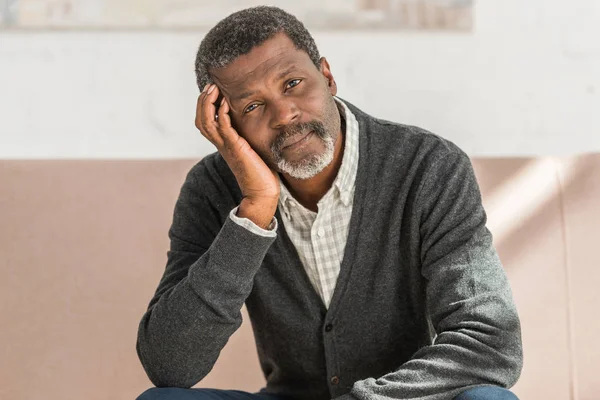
x: 283, y: 112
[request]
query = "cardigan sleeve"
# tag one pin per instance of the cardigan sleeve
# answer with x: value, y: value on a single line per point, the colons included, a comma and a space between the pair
x: 197, y: 306
x: 469, y: 300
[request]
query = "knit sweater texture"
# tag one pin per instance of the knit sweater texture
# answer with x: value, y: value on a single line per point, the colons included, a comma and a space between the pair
x: 422, y: 308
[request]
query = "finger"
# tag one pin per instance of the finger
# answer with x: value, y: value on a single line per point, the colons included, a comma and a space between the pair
x: 208, y: 110
x: 204, y: 130
x: 200, y: 101
x: 203, y: 94
x: 205, y: 112
x: 230, y: 136
x: 198, y: 118
x: 224, y: 122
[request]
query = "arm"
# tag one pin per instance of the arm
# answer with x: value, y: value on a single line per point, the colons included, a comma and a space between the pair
x: 210, y: 268
x: 196, y: 308
x: 469, y: 299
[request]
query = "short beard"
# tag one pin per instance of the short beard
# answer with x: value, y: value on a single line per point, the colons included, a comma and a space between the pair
x: 310, y: 166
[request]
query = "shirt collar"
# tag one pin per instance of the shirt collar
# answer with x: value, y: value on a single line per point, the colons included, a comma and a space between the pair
x: 346, y: 177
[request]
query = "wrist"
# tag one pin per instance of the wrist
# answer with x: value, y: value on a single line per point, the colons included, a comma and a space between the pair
x: 259, y: 211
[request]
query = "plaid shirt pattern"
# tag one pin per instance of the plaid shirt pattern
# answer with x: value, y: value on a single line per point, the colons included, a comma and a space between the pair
x: 320, y: 238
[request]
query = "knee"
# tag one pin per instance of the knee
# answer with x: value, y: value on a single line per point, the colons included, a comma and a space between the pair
x: 153, y: 394
x: 174, y: 393
x: 160, y: 394
x: 487, y: 393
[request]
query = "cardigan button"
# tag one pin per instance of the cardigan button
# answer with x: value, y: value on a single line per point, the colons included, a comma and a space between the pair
x: 328, y: 328
x: 335, y: 380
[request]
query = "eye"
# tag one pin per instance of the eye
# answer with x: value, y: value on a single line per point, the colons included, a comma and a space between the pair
x: 251, y: 107
x: 293, y: 83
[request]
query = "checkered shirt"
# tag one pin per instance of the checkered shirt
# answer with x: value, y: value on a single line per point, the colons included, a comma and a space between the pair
x: 320, y: 237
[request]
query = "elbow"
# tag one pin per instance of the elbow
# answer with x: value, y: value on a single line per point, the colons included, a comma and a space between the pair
x: 515, y: 347
x: 508, y: 372
x: 163, y: 372
x: 514, y: 374
x: 500, y: 356
x: 161, y: 380
x: 500, y: 367
x: 509, y: 348
x: 515, y: 366
x: 512, y: 359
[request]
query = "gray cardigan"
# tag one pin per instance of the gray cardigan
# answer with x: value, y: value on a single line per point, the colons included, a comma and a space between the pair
x: 422, y: 308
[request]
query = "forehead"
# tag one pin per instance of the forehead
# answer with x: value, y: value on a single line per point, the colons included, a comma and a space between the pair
x: 262, y: 64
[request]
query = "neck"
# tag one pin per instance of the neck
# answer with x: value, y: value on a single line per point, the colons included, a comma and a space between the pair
x: 308, y: 192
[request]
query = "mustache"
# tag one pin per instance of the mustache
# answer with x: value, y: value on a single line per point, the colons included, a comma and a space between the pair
x: 297, y: 129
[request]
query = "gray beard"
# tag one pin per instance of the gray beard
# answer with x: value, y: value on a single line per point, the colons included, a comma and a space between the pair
x: 310, y: 166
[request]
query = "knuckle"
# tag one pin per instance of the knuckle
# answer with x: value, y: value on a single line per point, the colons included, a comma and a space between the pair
x: 204, y: 130
x: 203, y: 99
x: 200, y: 124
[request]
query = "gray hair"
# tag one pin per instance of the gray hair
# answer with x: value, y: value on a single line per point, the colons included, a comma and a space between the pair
x: 241, y: 31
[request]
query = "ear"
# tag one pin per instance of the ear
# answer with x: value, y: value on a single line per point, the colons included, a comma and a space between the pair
x: 326, y: 71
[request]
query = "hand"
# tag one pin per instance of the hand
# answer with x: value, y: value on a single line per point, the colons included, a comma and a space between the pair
x: 259, y: 184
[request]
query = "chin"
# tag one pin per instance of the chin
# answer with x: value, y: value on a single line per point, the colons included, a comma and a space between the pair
x: 307, y: 168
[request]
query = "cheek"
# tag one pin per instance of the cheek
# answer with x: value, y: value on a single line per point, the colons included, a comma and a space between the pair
x: 319, y: 99
x: 315, y: 103
x: 320, y: 103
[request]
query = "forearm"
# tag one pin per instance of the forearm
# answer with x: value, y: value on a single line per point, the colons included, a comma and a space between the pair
x: 469, y: 301
x: 187, y: 324
x: 478, y: 342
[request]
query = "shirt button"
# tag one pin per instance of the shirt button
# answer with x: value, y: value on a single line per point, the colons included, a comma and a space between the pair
x: 321, y: 232
x: 335, y: 380
x: 328, y: 328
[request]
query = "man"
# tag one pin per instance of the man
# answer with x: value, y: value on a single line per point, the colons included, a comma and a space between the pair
x: 358, y: 245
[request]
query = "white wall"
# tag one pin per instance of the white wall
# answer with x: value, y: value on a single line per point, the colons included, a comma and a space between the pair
x: 526, y: 81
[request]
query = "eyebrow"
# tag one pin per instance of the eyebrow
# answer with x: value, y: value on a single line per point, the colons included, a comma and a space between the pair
x: 280, y: 76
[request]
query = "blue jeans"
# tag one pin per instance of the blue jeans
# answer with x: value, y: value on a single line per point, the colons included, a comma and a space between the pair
x: 478, y: 393
x: 204, y: 394
x: 487, y: 393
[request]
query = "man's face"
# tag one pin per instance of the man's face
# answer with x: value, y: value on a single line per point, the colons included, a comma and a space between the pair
x: 283, y: 105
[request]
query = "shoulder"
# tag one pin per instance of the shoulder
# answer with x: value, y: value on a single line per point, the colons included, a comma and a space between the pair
x: 413, y: 141
x: 401, y: 148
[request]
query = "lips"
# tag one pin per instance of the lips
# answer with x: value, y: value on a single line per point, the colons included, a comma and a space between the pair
x: 295, y: 140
